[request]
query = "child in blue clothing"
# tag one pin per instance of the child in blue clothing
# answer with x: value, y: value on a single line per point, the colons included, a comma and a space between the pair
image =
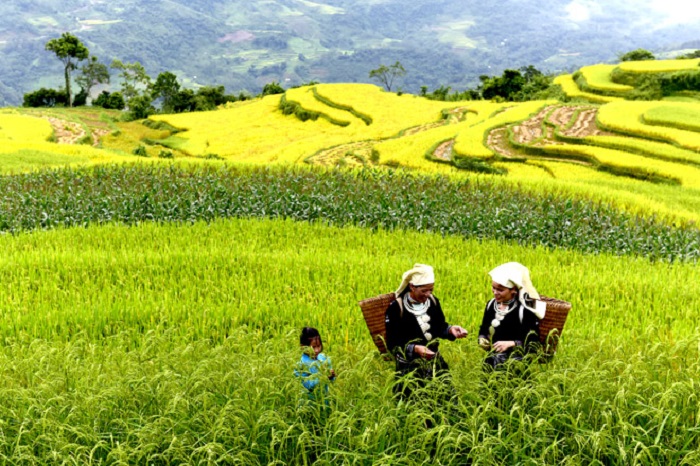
x: 314, y: 368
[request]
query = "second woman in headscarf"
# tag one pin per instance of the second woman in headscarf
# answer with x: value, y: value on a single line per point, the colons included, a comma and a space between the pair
x: 510, y: 325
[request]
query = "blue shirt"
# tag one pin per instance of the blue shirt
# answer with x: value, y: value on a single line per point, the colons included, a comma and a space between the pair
x: 313, y: 371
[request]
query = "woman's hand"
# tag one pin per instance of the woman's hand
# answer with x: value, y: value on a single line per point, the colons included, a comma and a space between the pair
x: 485, y: 344
x: 331, y: 374
x: 503, y: 346
x: 423, y: 351
x: 457, y: 331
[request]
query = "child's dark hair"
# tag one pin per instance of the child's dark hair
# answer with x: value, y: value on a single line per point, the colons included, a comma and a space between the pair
x: 308, y: 334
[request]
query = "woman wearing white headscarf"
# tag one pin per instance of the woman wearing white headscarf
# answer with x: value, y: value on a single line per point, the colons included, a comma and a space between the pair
x: 414, y: 324
x: 510, y: 326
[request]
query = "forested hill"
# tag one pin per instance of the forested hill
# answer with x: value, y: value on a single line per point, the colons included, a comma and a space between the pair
x: 244, y: 44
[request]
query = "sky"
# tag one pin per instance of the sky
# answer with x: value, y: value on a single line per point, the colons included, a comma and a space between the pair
x: 677, y: 11
x: 661, y: 12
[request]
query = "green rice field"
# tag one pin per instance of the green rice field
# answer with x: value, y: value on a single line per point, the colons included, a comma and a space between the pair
x: 164, y: 341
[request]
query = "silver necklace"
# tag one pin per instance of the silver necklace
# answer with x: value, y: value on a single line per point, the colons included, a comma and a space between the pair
x: 420, y: 311
x: 502, y: 313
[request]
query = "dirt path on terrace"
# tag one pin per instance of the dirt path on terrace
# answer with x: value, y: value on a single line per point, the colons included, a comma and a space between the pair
x: 69, y: 132
x: 353, y: 153
x: 360, y: 153
x: 444, y: 150
x: 530, y: 132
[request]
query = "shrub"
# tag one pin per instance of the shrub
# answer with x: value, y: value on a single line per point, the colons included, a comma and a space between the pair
x: 140, y: 151
x: 45, y: 98
x: 114, y: 100
x: 272, y: 88
x: 160, y: 126
x: 637, y: 55
x: 86, y: 139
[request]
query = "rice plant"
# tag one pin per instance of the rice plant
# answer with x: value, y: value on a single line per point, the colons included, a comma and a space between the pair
x: 157, y: 344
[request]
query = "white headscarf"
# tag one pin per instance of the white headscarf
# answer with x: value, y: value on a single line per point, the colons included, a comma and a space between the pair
x: 419, y: 275
x: 516, y: 275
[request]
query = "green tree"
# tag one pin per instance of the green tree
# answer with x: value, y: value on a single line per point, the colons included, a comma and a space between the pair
x: 135, y: 88
x: 505, y: 87
x: 695, y: 54
x: 166, y: 88
x: 184, y: 101
x: 637, y: 55
x: 92, y: 74
x: 387, y: 74
x: 272, y: 88
x: 113, y: 100
x: 141, y: 106
x: 70, y: 51
x: 135, y: 81
x: 45, y: 98
x: 536, y: 84
x: 530, y: 73
x: 210, y: 97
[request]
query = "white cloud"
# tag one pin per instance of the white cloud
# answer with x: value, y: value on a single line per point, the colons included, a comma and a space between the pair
x: 582, y: 10
x: 652, y: 13
x: 675, y: 11
x: 577, y: 12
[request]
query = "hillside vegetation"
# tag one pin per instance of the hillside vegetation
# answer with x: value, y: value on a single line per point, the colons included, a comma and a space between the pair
x: 641, y: 156
x: 244, y: 45
x: 156, y: 273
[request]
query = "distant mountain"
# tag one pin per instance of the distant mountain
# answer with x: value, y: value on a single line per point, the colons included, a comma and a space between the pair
x: 243, y: 44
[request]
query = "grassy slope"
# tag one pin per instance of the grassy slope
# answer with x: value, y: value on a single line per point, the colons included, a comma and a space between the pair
x: 134, y: 341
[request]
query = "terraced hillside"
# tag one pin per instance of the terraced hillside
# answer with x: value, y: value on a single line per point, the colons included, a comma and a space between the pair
x: 667, y: 79
x: 633, y: 153
x: 642, y: 156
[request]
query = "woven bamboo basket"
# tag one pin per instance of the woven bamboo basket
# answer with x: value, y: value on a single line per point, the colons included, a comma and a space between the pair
x: 374, y: 310
x: 552, y: 325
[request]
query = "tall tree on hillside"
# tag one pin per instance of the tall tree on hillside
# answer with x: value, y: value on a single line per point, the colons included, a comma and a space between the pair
x: 387, y: 74
x: 272, y: 88
x: 530, y: 73
x: 136, y: 88
x: 70, y: 51
x: 210, y: 97
x: 135, y: 80
x: 166, y: 87
x: 92, y: 74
